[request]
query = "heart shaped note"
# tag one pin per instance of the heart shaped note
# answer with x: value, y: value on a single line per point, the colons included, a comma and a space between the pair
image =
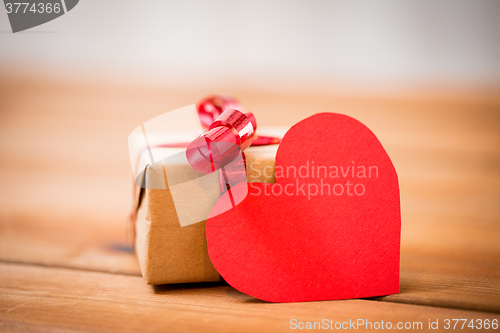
x: 329, y: 228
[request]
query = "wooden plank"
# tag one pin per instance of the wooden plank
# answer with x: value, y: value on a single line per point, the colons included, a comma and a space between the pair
x: 449, y: 283
x: 48, y: 299
x: 442, y: 264
x: 450, y: 262
x: 65, y: 178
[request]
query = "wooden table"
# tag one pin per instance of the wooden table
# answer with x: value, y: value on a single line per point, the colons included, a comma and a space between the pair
x: 65, y: 263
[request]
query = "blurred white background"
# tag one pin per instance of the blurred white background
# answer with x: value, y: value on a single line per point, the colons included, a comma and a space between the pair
x: 360, y: 44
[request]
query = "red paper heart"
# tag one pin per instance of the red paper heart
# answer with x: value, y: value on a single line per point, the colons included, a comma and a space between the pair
x: 289, y: 245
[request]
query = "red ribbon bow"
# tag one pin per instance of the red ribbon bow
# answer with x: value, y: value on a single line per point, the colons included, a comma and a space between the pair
x: 212, y: 107
x: 228, y: 131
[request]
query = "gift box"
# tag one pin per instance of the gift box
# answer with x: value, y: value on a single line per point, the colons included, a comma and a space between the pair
x: 169, y: 250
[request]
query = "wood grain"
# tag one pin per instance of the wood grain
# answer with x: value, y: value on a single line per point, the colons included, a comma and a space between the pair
x: 66, y: 191
x: 46, y: 298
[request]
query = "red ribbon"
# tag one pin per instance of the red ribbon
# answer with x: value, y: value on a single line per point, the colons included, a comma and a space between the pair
x: 212, y: 107
x: 228, y: 131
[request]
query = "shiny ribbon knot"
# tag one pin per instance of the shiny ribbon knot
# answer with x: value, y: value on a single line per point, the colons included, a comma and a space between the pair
x: 229, y: 132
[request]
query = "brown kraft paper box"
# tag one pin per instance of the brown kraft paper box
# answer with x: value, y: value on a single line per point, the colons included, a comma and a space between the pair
x: 168, y: 252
